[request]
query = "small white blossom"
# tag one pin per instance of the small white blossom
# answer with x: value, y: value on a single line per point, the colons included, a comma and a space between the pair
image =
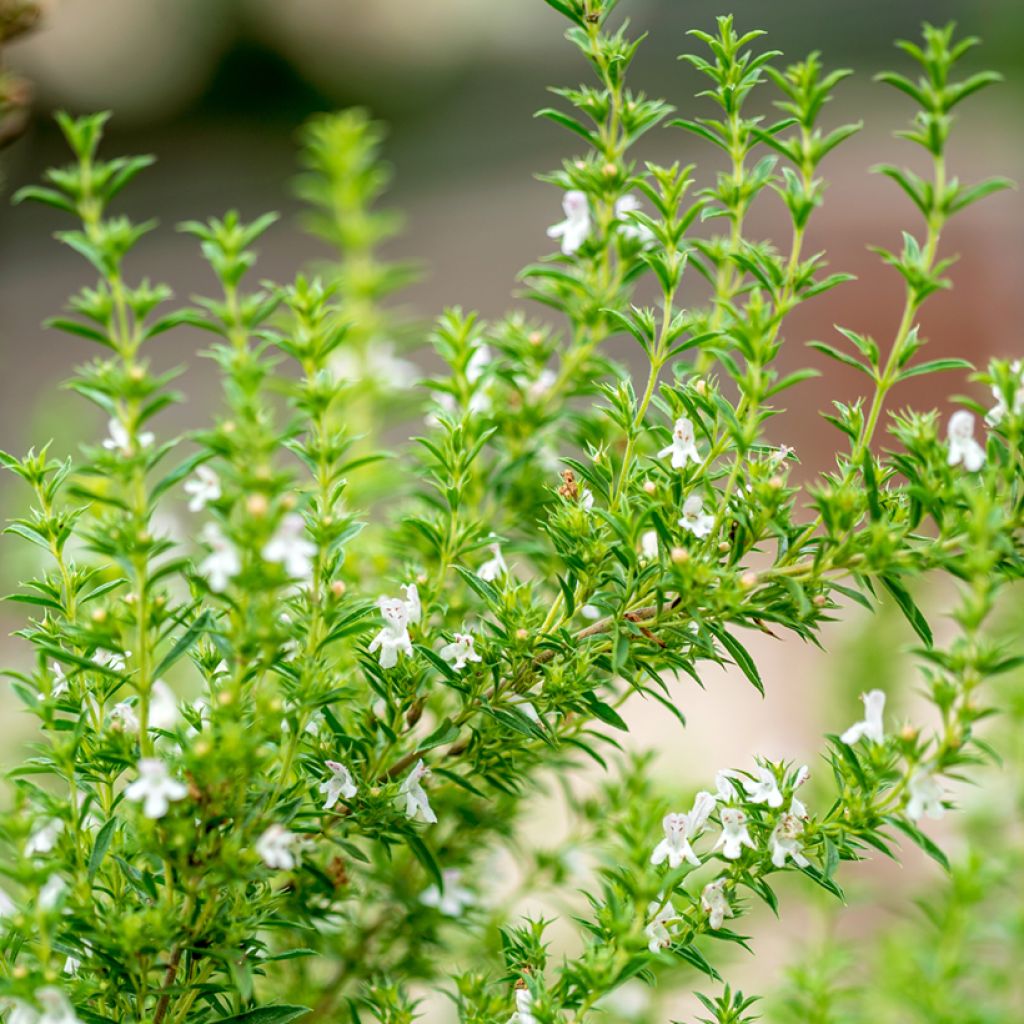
x: 339, y: 784
x: 796, y: 807
x: 203, y: 488
x: 1002, y: 408
x: 538, y: 388
x: 591, y: 612
x: 714, y: 903
x: 120, y: 440
x: 494, y: 567
x: 460, y: 651
x: 962, y: 446
x: 453, y: 899
x: 573, y: 231
x: 649, y: 545
x: 110, y: 659
x: 7, y: 905
x: 478, y: 363
x: 725, y: 788
x: 222, y: 563
x: 274, y: 847
x: 416, y: 800
x: 163, y: 707
x: 394, y: 638
x: 764, y: 789
x: 524, y: 1005
x: 684, y: 444
x: 925, y: 796
x: 56, y: 1007
x: 781, y: 455
x: 676, y: 846
x: 629, y: 228
x: 123, y: 717
x: 660, y: 928
x: 51, y: 892
x: 377, y: 363
x: 871, y: 725
x: 694, y: 518
x: 785, y: 842
x: 291, y: 547
x: 586, y: 500
x: 59, y: 686
x: 734, y: 833
x: 155, y: 788
x: 44, y: 839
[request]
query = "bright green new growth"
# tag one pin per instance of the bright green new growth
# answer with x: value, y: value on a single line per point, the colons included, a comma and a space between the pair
x: 262, y: 838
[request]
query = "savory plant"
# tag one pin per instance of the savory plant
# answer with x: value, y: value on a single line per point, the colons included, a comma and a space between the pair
x: 278, y: 748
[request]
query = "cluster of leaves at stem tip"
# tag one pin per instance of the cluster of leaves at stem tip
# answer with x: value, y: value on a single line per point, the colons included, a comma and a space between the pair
x: 298, y: 698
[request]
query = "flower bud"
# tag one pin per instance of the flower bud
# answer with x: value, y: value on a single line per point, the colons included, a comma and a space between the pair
x: 338, y: 588
x: 680, y: 556
x: 257, y: 505
x: 650, y: 487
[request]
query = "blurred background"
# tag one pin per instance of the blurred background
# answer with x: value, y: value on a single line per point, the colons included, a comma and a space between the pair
x: 217, y: 89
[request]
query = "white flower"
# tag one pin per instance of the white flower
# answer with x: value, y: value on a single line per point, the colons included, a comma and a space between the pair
x: 659, y: 929
x: 680, y: 829
x: 110, y: 659
x: 1002, y: 408
x: 629, y: 228
x: 163, y: 707
x: 453, y: 899
x: 925, y: 796
x: 649, y: 545
x: 7, y: 905
x: 524, y: 1005
x: 222, y: 563
x: 780, y: 455
x: 56, y: 1007
x: 796, y: 807
x: 586, y: 500
x: 44, y: 839
x: 785, y: 842
x: 478, y: 363
x: 494, y: 567
x: 394, y: 638
x: 764, y: 789
x: 714, y: 903
x: 694, y: 518
x: 416, y: 801
x: 155, y: 788
x: 51, y: 892
x: 962, y: 446
x: 460, y: 651
x: 339, y: 784
x: 725, y: 788
x: 591, y: 612
x: 377, y: 363
x: 573, y: 231
x: 734, y: 833
x: 684, y: 444
x: 203, y: 487
x: 59, y: 686
x: 120, y: 440
x: 291, y: 547
x: 275, y: 848
x: 871, y: 726
x: 123, y: 717
x: 538, y: 388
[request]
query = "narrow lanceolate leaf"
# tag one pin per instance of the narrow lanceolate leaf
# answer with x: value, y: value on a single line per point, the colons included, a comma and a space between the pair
x: 282, y: 1014
x: 910, y: 610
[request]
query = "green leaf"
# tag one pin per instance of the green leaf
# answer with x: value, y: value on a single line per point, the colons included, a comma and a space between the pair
x: 425, y: 857
x: 266, y: 1015
x: 910, y: 610
x: 739, y: 655
x: 935, y: 366
x: 100, y: 847
x: 919, y: 839
x: 200, y: 626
